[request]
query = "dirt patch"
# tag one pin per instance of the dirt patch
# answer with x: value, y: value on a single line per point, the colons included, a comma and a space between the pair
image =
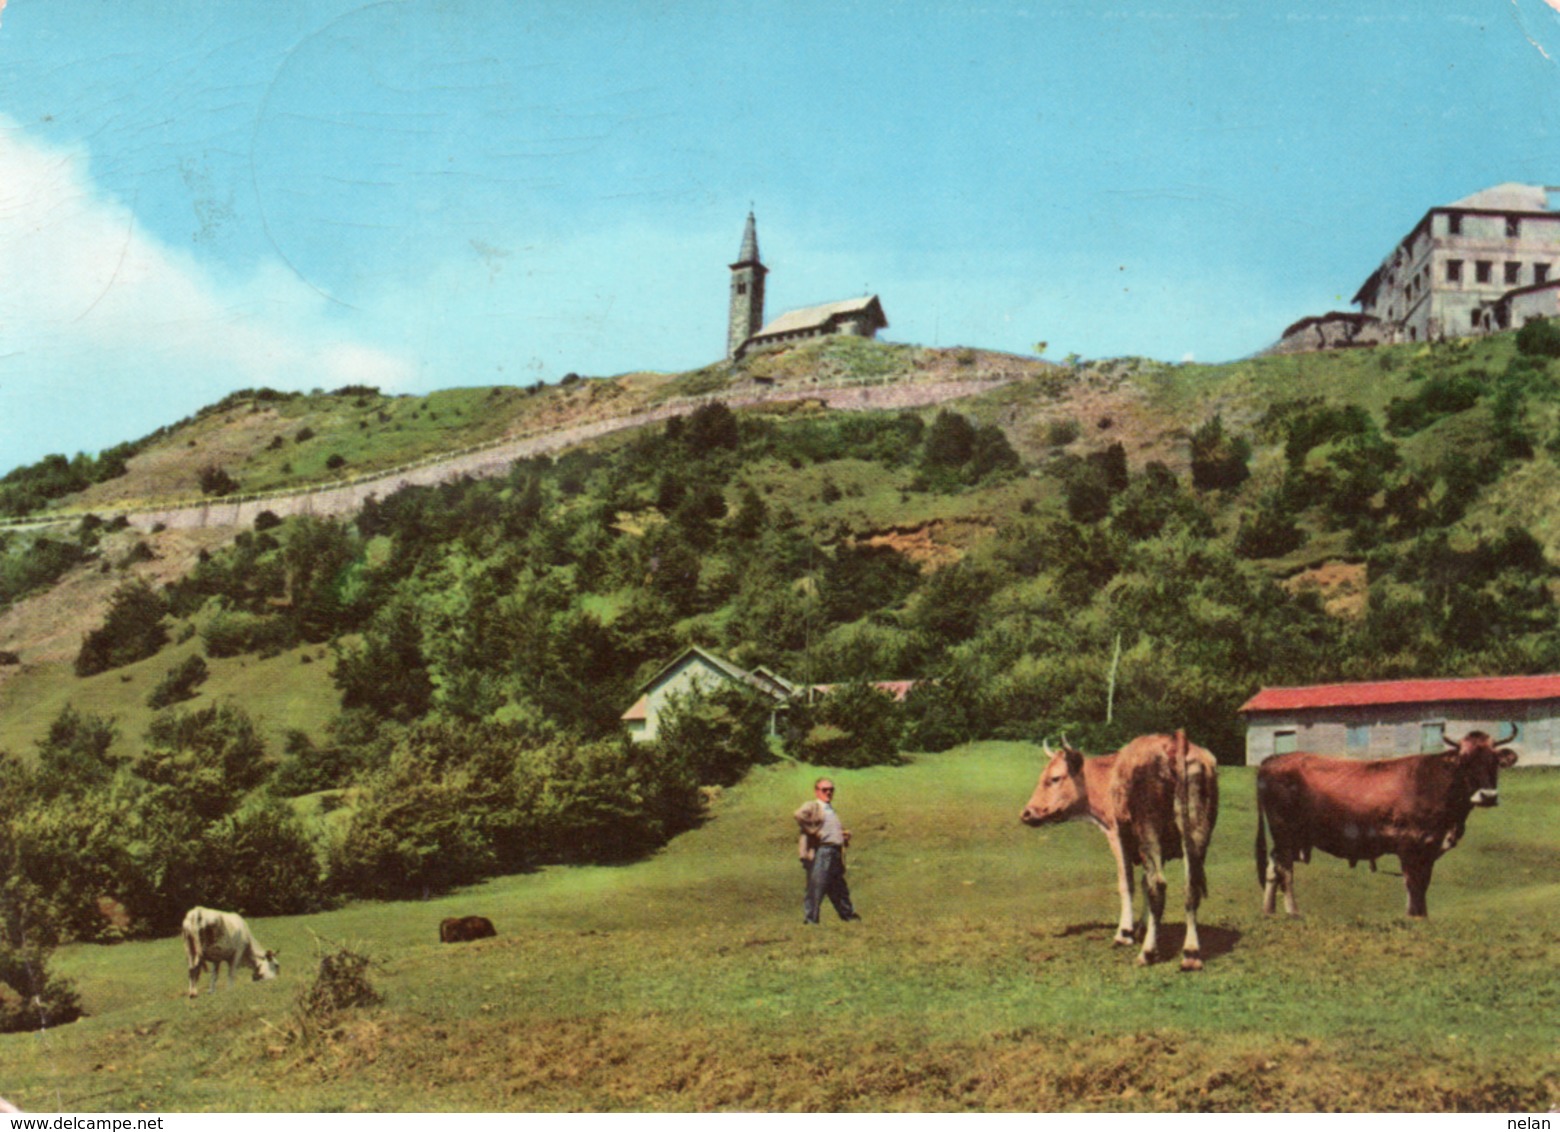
x: 48, y: 626
x: 923, y: 545
x: 1341, y: 585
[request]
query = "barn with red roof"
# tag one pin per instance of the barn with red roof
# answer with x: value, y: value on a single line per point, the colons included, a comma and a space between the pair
x: 1403, y: 717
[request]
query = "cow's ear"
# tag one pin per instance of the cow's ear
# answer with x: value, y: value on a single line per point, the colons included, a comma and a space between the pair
x: 1074, y: 759
x: 1507, y: 758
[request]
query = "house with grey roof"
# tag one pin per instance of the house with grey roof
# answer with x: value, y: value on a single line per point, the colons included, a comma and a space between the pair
x: 696, y: 671
x: 746, y: 330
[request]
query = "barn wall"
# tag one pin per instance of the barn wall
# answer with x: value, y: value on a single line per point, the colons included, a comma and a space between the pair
x: 1399, y: 729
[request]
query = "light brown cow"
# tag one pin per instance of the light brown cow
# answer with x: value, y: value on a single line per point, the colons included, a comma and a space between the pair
x: 1156, y: 799
x: 1416, y: 807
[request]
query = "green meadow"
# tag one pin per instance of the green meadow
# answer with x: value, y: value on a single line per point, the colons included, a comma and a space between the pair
x: 981, y: 978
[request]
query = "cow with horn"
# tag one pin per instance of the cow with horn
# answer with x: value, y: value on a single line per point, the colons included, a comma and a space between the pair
x: 1416, y: 807
x: 1156, y: 799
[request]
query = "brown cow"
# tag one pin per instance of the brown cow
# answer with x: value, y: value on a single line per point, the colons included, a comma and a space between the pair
x: 1156, y: 799
x: 1416, y: 806
x: 464, y: 929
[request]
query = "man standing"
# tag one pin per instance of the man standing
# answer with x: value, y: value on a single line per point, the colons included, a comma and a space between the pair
x: 822, y: 850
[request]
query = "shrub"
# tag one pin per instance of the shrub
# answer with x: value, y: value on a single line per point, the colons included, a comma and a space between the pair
x: 215, y: 480
x: 259, y: 861
x: 179, y: 684
x: 74, y: 755
x: 132, y: 631
x: 1060, y: 433
x: 1539, y: 337
x: 210, y: 758
x: 1219, y: 461
x: 853, y: 725
x: 231, y: 633
x: 340, y: 983
x: 717, y: 737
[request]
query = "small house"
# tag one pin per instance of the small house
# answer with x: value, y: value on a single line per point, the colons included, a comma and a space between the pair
x: 696, y: 670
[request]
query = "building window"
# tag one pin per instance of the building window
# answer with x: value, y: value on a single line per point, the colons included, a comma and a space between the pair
x: 1540, y: 273
x: 1454, y: 224
x: 741, y: 288
x: 1481, y: 271
x: 1513, y: 273
x: 1284, y: 742
x: 1358, y: 738
x: 1513, y: 227
x: 1454, y: 270
x: 1430, y: 738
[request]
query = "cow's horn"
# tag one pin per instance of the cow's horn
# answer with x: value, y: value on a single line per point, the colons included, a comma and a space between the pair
x: 1452, y: 743
x: 1514, y: 730
x: 1045, y: 745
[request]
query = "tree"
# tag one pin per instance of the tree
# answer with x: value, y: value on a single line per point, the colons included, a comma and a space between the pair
x: 1218, y: 459
x: 949, y: 442
x: 710, y: 427
x: 76, y: 755
x: 132, y: 631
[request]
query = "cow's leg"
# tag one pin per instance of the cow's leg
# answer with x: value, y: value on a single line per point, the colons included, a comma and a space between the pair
x: 1416, y: 878
x: 1191, y: 950
x: 1124, y: 889
x: 1281, y: 875
x: 1154, y: 898
x: 195, y: 973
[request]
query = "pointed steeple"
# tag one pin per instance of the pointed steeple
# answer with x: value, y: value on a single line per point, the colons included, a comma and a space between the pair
x: 747, y: 293
x: 748, y: 256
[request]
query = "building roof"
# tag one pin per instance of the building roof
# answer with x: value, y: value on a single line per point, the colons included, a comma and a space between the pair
x: 748, y: 256
x: 1509, y: 197
x: 1358, y: 318
x: 809, y: 317
x: 895, y: 689
x: 1498, y: 689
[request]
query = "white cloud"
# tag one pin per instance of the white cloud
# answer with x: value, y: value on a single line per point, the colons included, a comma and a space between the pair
x: 100, y: 319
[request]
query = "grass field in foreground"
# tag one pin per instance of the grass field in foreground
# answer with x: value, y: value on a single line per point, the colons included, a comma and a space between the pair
x: 980, y: 978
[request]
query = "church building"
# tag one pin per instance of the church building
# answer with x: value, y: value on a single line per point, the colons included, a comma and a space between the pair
x: 746, y: 330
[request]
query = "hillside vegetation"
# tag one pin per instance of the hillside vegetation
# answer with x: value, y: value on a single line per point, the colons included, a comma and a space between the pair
x: 428, y: 693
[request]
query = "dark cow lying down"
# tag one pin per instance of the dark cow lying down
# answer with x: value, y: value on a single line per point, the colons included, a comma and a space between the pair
x: 1156, y: 799
x: 1416, y: 807
x: 223, y: 937
x: 463, y: 929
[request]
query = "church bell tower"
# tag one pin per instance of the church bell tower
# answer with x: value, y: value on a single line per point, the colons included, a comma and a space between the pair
x: 747, y: 293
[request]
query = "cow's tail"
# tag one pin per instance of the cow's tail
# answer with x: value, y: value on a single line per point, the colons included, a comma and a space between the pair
x: 1190, y: 805
x: 1262, y: 849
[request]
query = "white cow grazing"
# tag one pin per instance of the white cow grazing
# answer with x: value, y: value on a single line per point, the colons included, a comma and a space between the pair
x: 223, y: 937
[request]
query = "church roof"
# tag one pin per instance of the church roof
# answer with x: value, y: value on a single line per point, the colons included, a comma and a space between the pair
x: 808, y: 317
x: 749, y: 252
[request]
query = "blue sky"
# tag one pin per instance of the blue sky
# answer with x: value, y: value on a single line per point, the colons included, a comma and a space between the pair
x: 421, y: 194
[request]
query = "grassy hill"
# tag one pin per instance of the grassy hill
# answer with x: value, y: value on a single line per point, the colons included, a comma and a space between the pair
x: 427, y: 693
x: 981, y: 978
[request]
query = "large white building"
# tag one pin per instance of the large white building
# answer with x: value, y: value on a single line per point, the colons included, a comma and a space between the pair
x: 1486, y: 262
